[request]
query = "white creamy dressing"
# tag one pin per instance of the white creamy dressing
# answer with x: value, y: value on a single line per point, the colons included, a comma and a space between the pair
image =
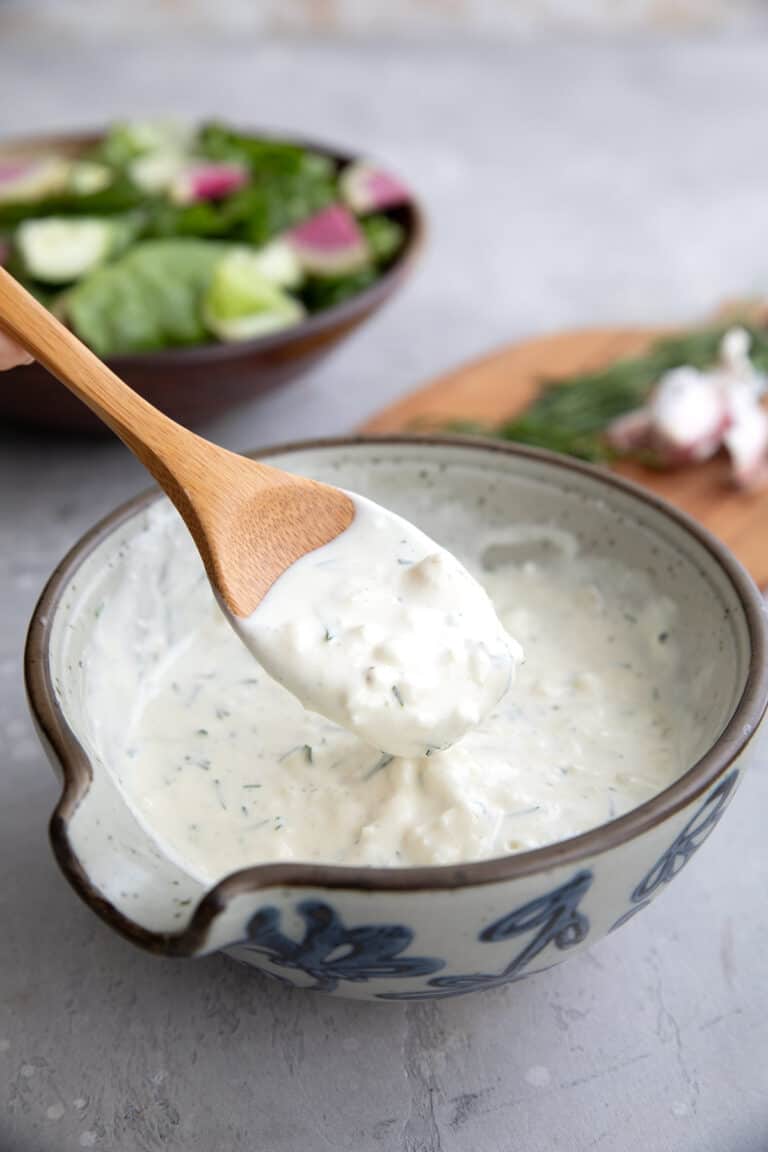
x: 387, y: 634
x: 226, y: 769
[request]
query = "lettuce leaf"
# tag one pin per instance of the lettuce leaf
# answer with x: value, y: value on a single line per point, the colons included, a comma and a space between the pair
x: 265, y: 157
x: 385, y: 237
x: 125, y: 140
x: 119, y: 196
x: 288, y: 184
x: 326, y: 291
x: 150, y: 298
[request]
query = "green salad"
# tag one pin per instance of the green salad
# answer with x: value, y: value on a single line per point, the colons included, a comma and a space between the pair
x: 162, y: 236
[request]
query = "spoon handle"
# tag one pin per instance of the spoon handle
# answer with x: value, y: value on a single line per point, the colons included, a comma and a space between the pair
x: 182, y: 462
x: 235, y: 508
x: 146, y: 431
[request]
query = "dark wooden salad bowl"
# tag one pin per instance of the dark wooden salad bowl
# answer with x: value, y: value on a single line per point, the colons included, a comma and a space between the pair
x: 193, y: 384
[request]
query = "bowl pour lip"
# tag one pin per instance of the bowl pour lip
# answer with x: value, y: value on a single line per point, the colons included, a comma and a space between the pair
x: 76, y: 771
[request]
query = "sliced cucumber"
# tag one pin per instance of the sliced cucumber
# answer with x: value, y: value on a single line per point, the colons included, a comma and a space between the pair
x: 276, y: 262
x: 86, y: 177
x: 251, y: 327
x: 156, y: 171
x: 125, y: 141
x: 56, y: 250
x: 241, y: 303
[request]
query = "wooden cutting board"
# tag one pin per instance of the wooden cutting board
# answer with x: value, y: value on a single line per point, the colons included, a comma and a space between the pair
x: 504, y: 383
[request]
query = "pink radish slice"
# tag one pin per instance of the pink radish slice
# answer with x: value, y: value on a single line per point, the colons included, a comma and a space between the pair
x: 747, y: 446
x: 32, y: 179
x: 746, y: 439
x: 207, y: 182
x: 10, y: 173
x: 369, y: 189
x: 636, y: 434
x: 631, y: 432
x: 690, y: 415
x: 330, y: 243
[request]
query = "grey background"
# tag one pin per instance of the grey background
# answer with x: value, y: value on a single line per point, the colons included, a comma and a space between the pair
x: 444, y: 19
x: 567, y: 184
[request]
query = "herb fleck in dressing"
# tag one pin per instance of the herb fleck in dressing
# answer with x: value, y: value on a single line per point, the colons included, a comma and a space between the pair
x: 227, y: 769
x: 386, y: 634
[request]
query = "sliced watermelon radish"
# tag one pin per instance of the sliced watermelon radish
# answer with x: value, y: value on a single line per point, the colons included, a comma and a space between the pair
x: 330, y: 243
x: 32, y: 179
x: 366, y: 188
x: 207, y: 181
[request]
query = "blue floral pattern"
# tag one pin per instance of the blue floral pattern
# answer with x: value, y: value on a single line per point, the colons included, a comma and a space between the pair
x: 682, y: 847
x: 330, y: 952
x: 553, y: 919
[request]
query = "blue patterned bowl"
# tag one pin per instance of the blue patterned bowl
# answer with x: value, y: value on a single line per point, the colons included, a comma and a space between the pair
x: 414, y: 933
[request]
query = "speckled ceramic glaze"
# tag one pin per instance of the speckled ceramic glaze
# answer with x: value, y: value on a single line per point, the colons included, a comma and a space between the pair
x: 417, y: 933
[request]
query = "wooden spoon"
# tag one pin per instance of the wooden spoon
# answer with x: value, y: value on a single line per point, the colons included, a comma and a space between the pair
x: 250, y: 521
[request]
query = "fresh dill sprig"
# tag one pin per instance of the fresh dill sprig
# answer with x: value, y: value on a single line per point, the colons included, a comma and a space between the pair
x: 571, y: 414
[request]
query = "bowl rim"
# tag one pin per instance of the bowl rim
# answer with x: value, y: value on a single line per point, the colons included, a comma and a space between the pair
x: 313, y: 325
x: 76, y: 771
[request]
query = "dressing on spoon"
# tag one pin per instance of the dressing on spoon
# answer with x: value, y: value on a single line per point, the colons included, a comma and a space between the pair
x: 387, y: 634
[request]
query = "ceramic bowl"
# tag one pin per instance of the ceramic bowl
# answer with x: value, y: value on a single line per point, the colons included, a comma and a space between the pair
x: 197, y: 383
x: 427, y: 932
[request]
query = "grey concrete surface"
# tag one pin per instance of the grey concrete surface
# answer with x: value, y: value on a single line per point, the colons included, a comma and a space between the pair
x: 567, y: 185
x: 405, y: 18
